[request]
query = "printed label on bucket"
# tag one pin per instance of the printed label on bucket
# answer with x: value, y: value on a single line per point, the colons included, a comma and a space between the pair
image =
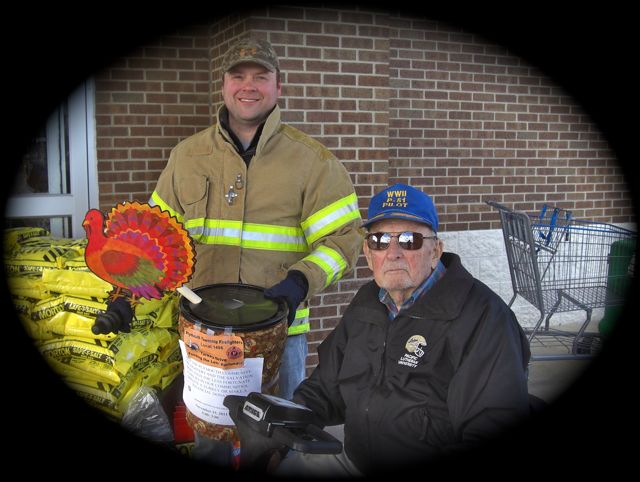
x: 205, y: 386
x: 221, y: 351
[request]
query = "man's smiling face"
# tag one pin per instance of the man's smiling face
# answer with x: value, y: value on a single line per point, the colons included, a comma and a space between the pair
x: 250, y: 92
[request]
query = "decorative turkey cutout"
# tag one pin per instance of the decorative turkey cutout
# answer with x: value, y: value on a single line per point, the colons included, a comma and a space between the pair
x: 140, y: 249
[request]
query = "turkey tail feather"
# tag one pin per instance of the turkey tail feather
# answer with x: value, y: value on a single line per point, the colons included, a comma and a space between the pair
x: 160, y: 235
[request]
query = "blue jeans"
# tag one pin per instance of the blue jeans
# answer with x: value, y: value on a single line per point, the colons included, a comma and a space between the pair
x: 292, y: 370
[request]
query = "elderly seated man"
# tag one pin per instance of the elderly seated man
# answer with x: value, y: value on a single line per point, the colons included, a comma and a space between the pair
x: 426, y: 360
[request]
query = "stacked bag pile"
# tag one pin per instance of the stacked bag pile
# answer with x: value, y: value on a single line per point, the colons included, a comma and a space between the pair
x: 57, y: 299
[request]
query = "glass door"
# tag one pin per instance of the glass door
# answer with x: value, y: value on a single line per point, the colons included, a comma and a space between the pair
x: 57, y: 180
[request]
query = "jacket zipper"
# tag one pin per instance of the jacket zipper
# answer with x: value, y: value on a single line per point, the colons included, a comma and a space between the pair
x: 376, y: 385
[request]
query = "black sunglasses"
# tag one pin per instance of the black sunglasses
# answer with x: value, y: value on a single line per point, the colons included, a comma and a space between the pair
x: 407, y: 240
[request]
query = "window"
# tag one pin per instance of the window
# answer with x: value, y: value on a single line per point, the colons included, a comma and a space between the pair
x: 57, y: 182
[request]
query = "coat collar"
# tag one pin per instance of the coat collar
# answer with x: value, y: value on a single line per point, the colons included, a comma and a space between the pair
x: 203, y: 142
x: 270, y: 128
x: 447, y: 297
x: 444, y: 301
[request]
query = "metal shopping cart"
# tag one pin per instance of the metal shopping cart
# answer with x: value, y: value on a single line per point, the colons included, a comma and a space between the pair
x: 558, y: 264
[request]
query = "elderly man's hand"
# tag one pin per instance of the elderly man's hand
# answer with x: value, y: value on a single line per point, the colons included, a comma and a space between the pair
x: 258, y: 452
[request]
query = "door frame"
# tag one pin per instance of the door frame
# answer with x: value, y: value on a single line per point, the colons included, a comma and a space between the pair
x: 83, y: 165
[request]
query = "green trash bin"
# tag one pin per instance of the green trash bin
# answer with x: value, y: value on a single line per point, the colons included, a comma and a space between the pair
x: 619, y: 279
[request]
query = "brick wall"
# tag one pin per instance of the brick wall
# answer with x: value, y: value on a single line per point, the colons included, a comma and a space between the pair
x: 145, y: 104
x: 395, y: 98
x: 471, y: 122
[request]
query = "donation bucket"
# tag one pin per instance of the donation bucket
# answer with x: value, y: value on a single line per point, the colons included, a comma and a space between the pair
x: 232, y: 343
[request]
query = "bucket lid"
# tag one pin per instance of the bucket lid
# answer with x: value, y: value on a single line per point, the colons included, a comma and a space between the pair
x: 239, y: 306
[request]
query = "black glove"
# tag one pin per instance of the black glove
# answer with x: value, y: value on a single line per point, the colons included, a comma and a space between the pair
x: 292, y: 290
x: 257, y: 451
x: 117, y: 318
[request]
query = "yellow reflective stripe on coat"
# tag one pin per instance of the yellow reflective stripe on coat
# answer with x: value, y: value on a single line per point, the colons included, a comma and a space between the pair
x: 275, y: 238
x: 330, y: 218
x: 300, y: 323
x: 156, y: 200
x: 215, y: 231
x: 247, y: 235
x: 330, y: 261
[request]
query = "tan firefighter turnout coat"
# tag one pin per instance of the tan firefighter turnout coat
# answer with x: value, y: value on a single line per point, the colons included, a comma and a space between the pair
x: 293, y: 208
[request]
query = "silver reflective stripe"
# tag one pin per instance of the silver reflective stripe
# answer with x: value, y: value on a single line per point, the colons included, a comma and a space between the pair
x: 249, y: 235
x: 330, y: 261
x: 331, y: 218
x: 334, y: 216
x: 300, y: 323
x: 156, y: 200
x: 273, y: 237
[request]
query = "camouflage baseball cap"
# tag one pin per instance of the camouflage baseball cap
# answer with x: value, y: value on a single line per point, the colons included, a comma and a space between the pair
x: 250, y: 50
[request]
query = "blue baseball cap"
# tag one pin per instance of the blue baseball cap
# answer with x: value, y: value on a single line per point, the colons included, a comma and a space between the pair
x: 403, y: 202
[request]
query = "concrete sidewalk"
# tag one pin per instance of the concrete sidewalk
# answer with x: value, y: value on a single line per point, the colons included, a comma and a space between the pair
x: 550, y: 379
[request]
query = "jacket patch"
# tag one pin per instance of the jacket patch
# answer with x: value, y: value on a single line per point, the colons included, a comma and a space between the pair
x: 414, y: 353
